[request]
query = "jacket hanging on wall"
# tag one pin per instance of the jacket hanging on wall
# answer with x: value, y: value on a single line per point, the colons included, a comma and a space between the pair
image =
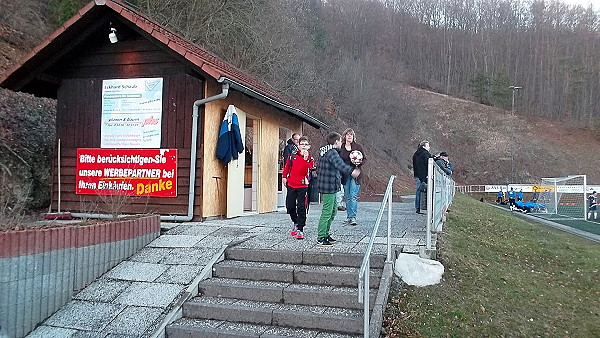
x: 229, y: 144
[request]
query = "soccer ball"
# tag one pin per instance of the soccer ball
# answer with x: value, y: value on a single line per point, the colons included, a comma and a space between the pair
x: 356, y: 157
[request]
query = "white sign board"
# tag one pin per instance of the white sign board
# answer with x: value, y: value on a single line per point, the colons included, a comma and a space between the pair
x: 131, y: 113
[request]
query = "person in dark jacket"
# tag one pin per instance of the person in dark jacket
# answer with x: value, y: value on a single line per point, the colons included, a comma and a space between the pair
x: 291, y: 146
x: 330, y: 169
x: 442, y: 161
x: 420, y: 159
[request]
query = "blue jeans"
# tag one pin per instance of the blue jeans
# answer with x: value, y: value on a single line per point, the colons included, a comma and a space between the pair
x: 339, y: 195
x: 351, y: 189
x: 418, y: 194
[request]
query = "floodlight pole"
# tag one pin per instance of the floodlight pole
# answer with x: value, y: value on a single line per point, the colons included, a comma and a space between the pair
x: 512, y: 150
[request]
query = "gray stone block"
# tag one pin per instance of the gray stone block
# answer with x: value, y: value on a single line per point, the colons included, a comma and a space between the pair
x: 338, y: 276
x: 340, y: 259
x: 320, y: 318
x: 229, y: 310
x: 254, y: 271
x: 261, y: 255
x: 343, y: 297
x: 243, y: 289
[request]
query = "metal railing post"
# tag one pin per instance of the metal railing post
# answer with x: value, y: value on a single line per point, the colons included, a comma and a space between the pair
x: 389, y: 231
x: 430, y: 175
x: 366, y: 301
x: 364, y: 272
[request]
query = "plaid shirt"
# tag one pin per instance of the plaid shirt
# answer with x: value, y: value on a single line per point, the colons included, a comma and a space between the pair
x: 330, y: 169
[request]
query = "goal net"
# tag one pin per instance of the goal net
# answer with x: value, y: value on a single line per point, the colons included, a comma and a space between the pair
x: 564, y: 197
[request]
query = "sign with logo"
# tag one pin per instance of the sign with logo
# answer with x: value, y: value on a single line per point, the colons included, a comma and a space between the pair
x: 131, y: 113
x: 133, y: 172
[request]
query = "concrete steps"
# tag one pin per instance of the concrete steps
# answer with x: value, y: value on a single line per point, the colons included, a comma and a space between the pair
x: 269, y: 293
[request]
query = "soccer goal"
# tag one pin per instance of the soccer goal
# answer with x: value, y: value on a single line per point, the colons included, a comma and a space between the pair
x: 564, y: 196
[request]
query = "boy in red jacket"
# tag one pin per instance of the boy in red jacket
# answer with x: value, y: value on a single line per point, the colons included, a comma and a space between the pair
x: 295, y: 178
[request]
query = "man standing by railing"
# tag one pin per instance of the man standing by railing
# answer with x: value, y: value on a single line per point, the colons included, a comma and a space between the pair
x: 420, y: 158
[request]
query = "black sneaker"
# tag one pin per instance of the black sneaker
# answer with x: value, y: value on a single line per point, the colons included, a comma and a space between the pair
x: 324, y: 242
x: 331, y: 240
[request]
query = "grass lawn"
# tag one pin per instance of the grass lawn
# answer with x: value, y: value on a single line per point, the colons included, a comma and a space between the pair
x: 503, y: 276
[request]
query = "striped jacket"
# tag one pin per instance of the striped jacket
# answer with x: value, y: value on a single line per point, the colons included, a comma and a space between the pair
x: 330, y: 169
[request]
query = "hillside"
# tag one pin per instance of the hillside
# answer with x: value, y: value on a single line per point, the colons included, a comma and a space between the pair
x: 481, y: 141
x: 486, y: 145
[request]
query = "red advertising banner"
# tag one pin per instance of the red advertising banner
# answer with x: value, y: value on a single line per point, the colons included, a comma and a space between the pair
x: 133, y: 172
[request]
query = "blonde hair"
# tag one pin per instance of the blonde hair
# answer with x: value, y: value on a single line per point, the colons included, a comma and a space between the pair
x: 346, y: 132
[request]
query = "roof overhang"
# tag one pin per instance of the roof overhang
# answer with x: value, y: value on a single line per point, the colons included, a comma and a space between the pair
x: 270, y: 101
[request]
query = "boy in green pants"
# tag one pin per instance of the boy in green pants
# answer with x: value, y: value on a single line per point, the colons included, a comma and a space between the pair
x: 329, y: 177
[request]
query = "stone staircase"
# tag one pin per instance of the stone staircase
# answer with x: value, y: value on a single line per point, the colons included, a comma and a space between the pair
x: 268, y: 293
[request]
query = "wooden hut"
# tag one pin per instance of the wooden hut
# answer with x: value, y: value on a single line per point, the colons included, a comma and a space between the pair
x: 139, y: 111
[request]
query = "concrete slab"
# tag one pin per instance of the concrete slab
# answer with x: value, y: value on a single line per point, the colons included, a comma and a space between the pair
x: 201, y: 230
x: 136, y: 271
x: 175, y: 241
x: 189, y: 256
x: 133, y: 320
x: 84, y: 315
x: 50, y: 331
x: 214, y: 241
x: 102, y: 290
x: 179, y: 274
x: 151, y: 255
x: 394, y: 241
x: 90, y: 334
x: 229, y: 232
x: 149, y: 294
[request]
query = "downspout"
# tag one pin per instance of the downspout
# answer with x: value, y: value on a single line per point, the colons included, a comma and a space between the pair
x: 194, y: 156
x: 193, y: 159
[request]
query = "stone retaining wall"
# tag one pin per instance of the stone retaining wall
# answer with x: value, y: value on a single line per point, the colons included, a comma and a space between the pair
x: 40, y: 268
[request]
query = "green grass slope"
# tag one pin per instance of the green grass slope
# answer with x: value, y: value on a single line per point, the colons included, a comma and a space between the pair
x: 504, y: 277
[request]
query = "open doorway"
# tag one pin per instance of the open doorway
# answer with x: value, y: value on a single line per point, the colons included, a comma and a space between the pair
x: 284, y: 135
x: 251, y: 164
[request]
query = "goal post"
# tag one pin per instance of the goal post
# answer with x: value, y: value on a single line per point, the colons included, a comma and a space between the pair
x: 564, y: 196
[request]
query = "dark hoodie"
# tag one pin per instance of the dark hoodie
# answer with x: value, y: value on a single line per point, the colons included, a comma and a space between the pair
x: 420, y: 158
x: 289, y: 148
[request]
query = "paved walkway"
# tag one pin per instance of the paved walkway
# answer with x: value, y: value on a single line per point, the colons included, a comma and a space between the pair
x: 139, y: 296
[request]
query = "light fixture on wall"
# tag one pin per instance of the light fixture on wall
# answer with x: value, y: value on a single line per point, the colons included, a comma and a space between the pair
x: 112, y: 36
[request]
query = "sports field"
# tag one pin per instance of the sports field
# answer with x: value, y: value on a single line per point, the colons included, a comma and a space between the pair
x: 591, y: 226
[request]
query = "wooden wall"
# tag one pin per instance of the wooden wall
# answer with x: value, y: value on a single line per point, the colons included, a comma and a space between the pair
x: 79, y: 117
x: 270, y: 121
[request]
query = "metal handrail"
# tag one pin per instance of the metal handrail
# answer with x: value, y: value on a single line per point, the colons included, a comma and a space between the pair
x: 365, y: 267
x: 440, y: 192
